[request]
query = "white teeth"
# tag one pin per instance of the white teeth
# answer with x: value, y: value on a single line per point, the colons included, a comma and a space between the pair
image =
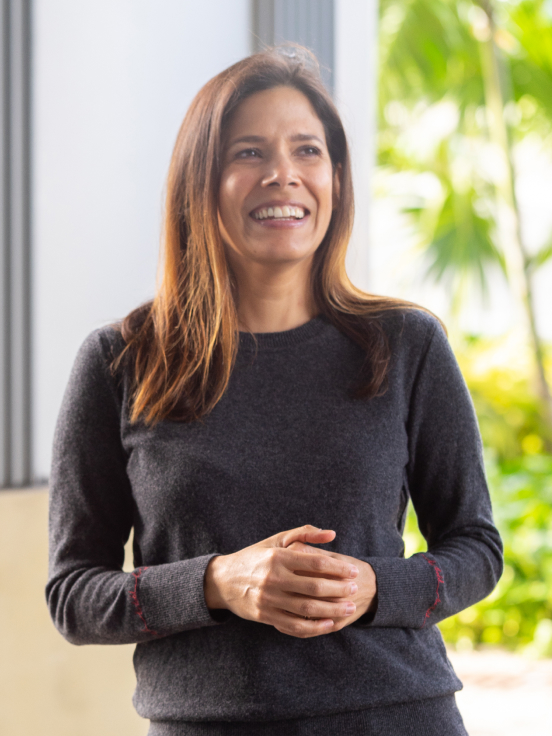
x: 280, y: 212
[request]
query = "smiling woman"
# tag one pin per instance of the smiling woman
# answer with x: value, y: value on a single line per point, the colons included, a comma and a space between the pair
x: 277, y: 192
x: 261, y: 405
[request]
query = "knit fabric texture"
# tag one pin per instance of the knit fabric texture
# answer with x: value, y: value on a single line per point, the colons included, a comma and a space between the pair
x: 430, y: 717
x: 287, y: 445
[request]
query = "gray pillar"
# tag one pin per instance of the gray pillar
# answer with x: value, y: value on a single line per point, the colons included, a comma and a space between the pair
x: 308, y: 22
x: 15, y: 410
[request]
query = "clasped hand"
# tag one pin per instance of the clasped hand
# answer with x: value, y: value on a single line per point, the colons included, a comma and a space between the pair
x: 285, y: 582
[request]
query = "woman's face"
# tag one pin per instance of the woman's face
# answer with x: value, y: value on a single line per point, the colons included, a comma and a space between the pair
x: 277, y: 188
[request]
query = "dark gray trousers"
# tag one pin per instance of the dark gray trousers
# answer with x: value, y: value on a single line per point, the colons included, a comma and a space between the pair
x: 431, y: 717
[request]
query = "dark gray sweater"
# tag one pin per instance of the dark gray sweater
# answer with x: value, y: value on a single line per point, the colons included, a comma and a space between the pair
x: 285, y: 446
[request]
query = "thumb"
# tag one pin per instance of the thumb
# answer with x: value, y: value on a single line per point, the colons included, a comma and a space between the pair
x: 305, y: 534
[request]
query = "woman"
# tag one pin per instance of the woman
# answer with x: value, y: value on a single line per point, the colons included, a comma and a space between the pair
x: 261, y: 426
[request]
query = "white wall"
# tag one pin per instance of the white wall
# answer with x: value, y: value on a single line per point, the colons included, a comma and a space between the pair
x: 112, y: 80
x: 355, y: 77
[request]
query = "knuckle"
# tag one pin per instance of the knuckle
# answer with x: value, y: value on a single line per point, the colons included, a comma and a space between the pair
x: 315, y: 588
x: 271, y: 573
x: 308, y: 608
x: 320, y: 563
x: 267, y: 581
x: 261, y: 588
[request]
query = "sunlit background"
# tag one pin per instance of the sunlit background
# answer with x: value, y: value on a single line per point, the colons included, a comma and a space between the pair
x: 448, y: 107
x: 463, y: 224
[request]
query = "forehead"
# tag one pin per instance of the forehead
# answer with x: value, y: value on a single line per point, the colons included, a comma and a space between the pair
x: 277, y: 111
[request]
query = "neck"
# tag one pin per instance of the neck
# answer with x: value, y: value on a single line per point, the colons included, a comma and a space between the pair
x: 274, y: 299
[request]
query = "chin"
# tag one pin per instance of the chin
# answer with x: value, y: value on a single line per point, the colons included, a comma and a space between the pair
x: 286, y: 250
x: 280, y: 256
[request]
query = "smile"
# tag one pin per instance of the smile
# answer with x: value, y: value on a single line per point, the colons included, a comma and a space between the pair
x: 279, y: 213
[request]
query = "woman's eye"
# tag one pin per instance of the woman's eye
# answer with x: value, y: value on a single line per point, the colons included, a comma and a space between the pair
x: 310, y: 150
x: 248, y: 153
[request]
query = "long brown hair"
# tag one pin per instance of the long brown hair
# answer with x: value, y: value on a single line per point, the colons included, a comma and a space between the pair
x: 182, y: 345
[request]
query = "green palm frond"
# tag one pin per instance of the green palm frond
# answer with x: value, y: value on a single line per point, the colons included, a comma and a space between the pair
x: 532, y: 65
x: 462, y: 246
x: 427, y: 51
x: 541, y: 257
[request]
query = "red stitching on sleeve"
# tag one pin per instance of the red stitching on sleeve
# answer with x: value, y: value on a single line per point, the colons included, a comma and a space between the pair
x: 440, y: 579
x: 134, y: 597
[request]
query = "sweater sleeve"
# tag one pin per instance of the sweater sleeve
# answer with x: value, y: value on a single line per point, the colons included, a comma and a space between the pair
x: 90, y: 599
x: 445, y: 478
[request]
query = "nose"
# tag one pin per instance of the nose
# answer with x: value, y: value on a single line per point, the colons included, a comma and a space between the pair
x: 280, y: 172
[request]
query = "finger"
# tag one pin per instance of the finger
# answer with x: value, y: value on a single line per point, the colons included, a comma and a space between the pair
x: 293, y: 625
x: 310, y: 608
x: 322, y: 575
x: 301, y: 547
x: 312, y: 586
x: 307, y: 533
x: 319, y: 563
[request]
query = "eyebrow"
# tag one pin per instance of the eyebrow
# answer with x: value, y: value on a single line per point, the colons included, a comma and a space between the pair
x: 261, y: 139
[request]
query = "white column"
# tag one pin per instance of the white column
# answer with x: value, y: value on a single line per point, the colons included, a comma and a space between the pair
x: 355, y: 78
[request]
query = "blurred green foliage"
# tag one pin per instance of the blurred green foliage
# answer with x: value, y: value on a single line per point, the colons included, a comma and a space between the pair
x: 432, y: 60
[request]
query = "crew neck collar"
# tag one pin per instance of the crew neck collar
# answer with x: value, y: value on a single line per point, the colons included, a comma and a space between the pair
x: 295, y: 336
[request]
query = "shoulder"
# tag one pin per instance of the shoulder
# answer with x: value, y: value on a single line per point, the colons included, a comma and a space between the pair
x: 102, y: 345
x: 419, y: 346
x: 92, y: 366
x: 410, y: 323
x: 412, y: 331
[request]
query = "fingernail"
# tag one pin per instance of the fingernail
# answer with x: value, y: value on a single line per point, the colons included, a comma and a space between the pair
x: 354, y: 588
x: 350, y: 608
x: 353, y: 572
x: 328, y: 624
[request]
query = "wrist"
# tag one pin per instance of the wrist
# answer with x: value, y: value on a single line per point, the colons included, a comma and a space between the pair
x: 212, y: 583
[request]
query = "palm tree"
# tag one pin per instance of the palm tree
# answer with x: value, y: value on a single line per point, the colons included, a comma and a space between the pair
x: 480, y: 60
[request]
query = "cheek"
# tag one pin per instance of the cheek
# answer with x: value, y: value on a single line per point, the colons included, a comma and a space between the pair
x: 323, y: 185
x: 227, y: 195
x: 229, y: 209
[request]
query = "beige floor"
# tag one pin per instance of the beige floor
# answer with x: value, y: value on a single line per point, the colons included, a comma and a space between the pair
x: 51, y: 688
x: 504, y: 694
x: 47, y: 686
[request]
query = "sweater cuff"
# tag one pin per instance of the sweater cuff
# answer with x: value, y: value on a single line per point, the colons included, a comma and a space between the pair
x: 170, y: 597
x: 408, y: 591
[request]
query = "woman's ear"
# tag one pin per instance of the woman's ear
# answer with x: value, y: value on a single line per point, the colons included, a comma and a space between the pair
x: 336, y: 189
